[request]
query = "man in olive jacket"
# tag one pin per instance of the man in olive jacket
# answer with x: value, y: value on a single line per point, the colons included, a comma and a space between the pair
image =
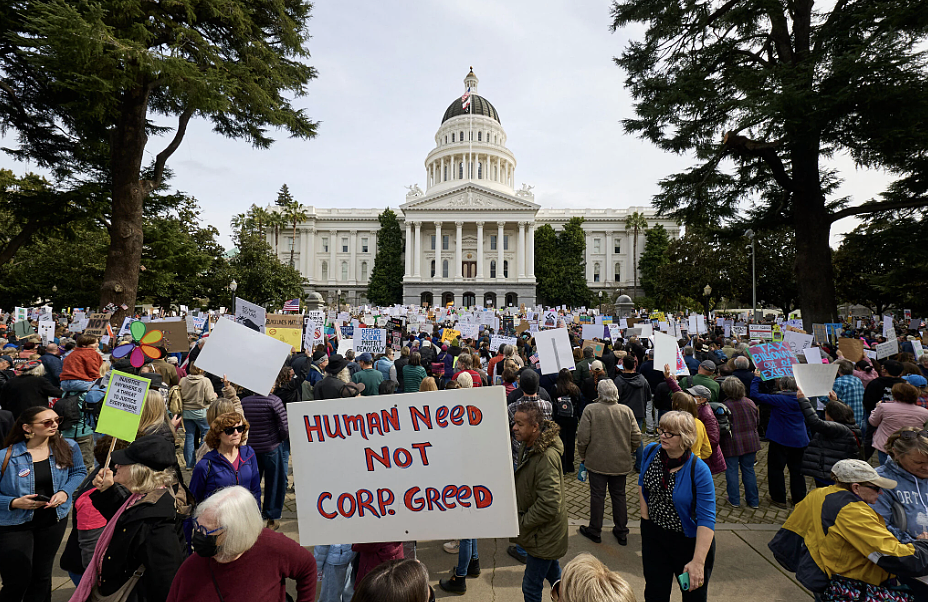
x: 540, y: 499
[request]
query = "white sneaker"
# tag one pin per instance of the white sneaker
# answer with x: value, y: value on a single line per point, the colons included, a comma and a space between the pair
x: 452, y: 546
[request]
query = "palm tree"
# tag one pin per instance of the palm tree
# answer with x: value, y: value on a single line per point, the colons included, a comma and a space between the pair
x: 276, y: 220
x: 294, y: 213
x: 636, y: 222
x: 260, y: 217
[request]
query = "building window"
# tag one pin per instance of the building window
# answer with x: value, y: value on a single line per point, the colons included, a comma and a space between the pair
x: 618, y: 248
x: 344, y: 245
x: 432, y: 239
x: 479, y: 136
x: 444, y: 268
x: 344, y: 271
x: 506, y: 269
x: 446, y: 173
x: 595, y: 272
x: 461, y: 170
x: 495, y: 172
x: 288, y: 243
x: 506, y: 242
x: 325, y: 270
x: 462, y: 137
x: 445, y: 241
x: 492, y: 269
x: 364, y: 271
x: 364, y: 245
x: 325, y: 244
x: 433, y: 269
x: 452, y: 137
x: 480, y: 171
x: 492, y: 242
x: 597, y: 246
x: 618, y: 272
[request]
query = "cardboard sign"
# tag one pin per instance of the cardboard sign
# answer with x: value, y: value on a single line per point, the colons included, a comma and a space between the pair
x: 554, y: 351
x: 763, y: 332
x: 247, y: 357
x: 886, y: 349
x: 598, y: 347
x: 797, y: 341
x: 449, y: 334
x: 370, y: 340
x: 122, y: 406
x: 175, y: 335
x: 665, y: 350
x: 852, y: 349
x: 815, y: 380
x: 496, y: 341
x: 400, y: 476
x: 96, y: 326
x: 284, y: 321
x: 773, y: 360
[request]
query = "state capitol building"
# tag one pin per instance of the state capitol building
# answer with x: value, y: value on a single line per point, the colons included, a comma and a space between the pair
x: 469, y: 234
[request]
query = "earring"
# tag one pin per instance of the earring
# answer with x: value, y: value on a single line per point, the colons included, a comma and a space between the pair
x: 29, y: 435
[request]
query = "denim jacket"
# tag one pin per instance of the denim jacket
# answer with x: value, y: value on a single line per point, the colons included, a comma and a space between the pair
x: 13, y: 485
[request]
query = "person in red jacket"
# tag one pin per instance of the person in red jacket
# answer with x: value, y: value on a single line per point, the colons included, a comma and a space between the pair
x: 372, y: 555
x: 82, y: 366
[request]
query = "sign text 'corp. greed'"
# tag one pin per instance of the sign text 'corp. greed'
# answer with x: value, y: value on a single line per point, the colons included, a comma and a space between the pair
x: 424, y: 419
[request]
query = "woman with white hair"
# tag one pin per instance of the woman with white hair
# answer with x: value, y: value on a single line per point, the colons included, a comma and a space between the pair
x: 607, y: 438
x: 586, y: 579
x: 237, y: 559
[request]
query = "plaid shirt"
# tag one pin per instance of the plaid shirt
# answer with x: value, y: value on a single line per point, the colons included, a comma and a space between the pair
x: 850, y: 390
x: 744, y: 438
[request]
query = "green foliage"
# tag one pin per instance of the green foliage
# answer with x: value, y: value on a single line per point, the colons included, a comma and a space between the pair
x: 761, y: 94
x: 697, y: 259
x: 655, y: 254
x: 635, y: 222
x: 260, y: 275
x: 386, y: 283
x: 775, y: 266
x: 560, y: 265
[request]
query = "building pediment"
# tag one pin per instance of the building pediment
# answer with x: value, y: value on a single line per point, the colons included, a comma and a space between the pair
x: 469, y: 198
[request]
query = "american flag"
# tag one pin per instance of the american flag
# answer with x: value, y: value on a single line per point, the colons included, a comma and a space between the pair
x: 534, y: 358
x: 292, y: 305
x: 465, y: 100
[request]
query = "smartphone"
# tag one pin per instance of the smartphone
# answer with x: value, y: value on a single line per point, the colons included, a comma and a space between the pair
x: 684, y: 581
x: 42, y: 498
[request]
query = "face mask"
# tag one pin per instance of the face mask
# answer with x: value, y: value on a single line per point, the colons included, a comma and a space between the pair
x: 204, y: 545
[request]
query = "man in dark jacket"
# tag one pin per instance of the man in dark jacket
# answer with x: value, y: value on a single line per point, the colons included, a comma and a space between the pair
x: 332, y: 387
x: 53, y: 364
x: 635, y: 392
x: 267, y: 419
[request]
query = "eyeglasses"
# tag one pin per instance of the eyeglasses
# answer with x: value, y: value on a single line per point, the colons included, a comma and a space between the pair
x: 909, y: 435
x: 201, y: 529
x: 230, y: 430
x: 871, y: 486
x: 556, y: 591
x: 50, y: 422
x: 667, y: 434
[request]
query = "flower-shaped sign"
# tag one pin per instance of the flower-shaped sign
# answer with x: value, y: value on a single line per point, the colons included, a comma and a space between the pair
x: 142, y: 345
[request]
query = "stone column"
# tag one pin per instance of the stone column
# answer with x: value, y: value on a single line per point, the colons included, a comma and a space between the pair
x: 530, y: 251
x: 457, y: 250
x: 418, y: 255
x: 353, y: 262
x: 521, y: 249
x: 333, y: 263
x: 438, y: 248
x: 608, y: 276
x: 309, y: 259
x: 409, y: 250
x: 499, y: 250
x: 480, y: 252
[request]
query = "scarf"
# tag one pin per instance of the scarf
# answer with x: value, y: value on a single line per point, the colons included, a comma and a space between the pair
x: 668, y: 464
x: 92, y: 573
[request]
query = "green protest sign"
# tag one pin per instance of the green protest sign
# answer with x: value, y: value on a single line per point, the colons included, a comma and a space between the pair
x: 122, y: 406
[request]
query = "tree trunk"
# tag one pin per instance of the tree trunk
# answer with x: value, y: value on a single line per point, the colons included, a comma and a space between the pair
x: 293, y: 244
x: 127, y: 147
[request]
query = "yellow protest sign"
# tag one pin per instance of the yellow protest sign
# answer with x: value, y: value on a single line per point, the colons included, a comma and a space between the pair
x: 449, y: 335
x: 290, y: 336
x: 122, y: 406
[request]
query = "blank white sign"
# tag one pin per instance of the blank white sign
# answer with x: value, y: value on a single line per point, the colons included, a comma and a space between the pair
x: 249, y: 358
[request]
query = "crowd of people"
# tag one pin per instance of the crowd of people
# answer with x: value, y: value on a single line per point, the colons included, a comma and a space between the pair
x: 145, y: 527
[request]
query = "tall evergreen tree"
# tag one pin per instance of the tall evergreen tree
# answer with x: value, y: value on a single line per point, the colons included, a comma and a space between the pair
x: 386, y: 283
x: 546, y: 259
x: 560, y: 265
x: 762, y: 93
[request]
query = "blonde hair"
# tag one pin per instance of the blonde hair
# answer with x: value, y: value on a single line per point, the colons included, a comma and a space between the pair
x: 898, y: 447
x: 465, y: 380
x: 154, y: 414
x: 684, y: 402
x: 143, y: 479
x: 428, y: 384
x: 235, y: 510
x: 104, y: 368
x: 683, y: 423
x: 586, y: 579
x: 218, y: 407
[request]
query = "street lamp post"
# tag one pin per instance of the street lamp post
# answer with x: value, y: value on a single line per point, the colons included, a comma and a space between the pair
x: 338, y: 299
x: 706, y: 292
x: 750, y: 234
x: 233, y: 286
x: 54, y: 294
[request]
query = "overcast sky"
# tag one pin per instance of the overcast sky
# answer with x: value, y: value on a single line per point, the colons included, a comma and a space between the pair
x: 387, y: 72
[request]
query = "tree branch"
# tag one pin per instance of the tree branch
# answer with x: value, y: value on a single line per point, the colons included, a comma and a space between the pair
x: 163, y: 156
x: 745, y: 147
x: 18, y: 241
x: 720, y: 12
x: 875, y: 207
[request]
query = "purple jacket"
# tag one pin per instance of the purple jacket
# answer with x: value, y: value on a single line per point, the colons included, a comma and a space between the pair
x: 267, y: 419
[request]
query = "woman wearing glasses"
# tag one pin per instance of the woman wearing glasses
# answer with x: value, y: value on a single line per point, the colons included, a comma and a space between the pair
x: 40, y: 471
x: 677, y: 513
x: 237, y: 560
x: 905, y: 508
x: 229, y: 462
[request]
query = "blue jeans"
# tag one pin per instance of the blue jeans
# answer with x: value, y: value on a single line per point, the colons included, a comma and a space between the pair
x: 746, y: 462
x: 190, y: 431
x: 76, y: 385
x: 285, y: 459
x: 640, y: 449
x: 467, y: 551
x: 337, y: 585
x: 270, y: 466
x: 536, y: 571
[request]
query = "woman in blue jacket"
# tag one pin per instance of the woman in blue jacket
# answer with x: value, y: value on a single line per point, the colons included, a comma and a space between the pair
x: 40, y: 471
x: 788, y: 439
x: 677, y: 512
x: 228, y: 462
x: 905, y: 508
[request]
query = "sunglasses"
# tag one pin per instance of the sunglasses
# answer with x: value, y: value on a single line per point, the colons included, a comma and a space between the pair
x: 556, y: 591
x: 230, y: 430
x: 909, y: 435
x: 871, y: 486
x: 50, y: 422
x: 667, y: 434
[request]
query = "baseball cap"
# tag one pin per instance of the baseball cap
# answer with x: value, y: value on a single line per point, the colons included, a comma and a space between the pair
x: 596, y: 365
x: 707, y: 365
x: 700, y: 391
x: 365, y: 358
x: 858, y: 471
x: 154, y: 451
x: 916, y: 380
x: 7, y: 358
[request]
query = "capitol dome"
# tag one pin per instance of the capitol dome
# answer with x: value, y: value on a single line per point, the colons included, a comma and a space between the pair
x: 478, y: 106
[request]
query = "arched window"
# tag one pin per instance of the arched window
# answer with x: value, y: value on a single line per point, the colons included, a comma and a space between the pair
x: 444, y: 268
x: 344, y: 270
x: 462, y: 136
x: 325, y: 270
x: 364, y: 270
x: 492, y: 269
x: 433, y: 269
x: 618, y: 272
x: 479, y: 136
x: 461, y: 170
x: 452, y: 137
x: 595, y: 272
x: 506, y: 269
x: 479, y: 171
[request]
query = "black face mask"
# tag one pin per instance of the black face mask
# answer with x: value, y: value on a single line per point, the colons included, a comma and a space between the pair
x: 204, y: 545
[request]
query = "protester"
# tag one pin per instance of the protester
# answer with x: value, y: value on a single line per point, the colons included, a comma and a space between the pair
x: 834, y: 439
x: 677, y: 499
x: 607, y: 429
x: 236, y: 560
x: 40, y: 471
x: 880, y: 388
x: 889, y: 417
x: 413, y: 373
x: 229, y: 462
x: 531, y: 394
x: 197, y: 393
x: 567, y: 410
x: 702, y: 395
x: 337, y: 376
x: 788, y: 440
x: 465, y: 364
x: 82, y: 366
x: 27, y: 390
x: 586, y: 579
x: 850, y: 390
x: 540, y: 499
x: 395, y: 581
x: 741, y: 446
x: 684, y: 402
x: 905, y: 507
x: 267, y: 419
x: 371, y: 555
x: 635, y: 392
x: 427, y: 384
x: 52, y: 363
x: 386, y: 366
x: 399, y: 365
x: 367, y: 375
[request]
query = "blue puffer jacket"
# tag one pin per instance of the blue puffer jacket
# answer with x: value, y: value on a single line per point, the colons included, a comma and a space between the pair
x: 214, y: 472
x: 787, y: 424
x: 18, y: 480
x: 333, y: 555
x: 910, y: 500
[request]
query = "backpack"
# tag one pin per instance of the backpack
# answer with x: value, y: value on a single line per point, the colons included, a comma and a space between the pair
x: 175, y: 401
x: 68, y: 409
x: 564, y: 407
x: 722, y: 416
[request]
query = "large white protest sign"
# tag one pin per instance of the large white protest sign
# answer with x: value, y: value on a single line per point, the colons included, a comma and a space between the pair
x: 496, y: 341
x: 47, y: 332
x: 886, y: 349
x: 615, y: 332
x: 889, y: 331
x: 468, y: 331
x: 593, y: 331
x: 344, y: 345
x: 813, y: 355
x: 647, y: 330
x: 550, y: 319
x: 249, y: 358
x: 797, y: 341
x: 313, y: 328
x: 665, y: 351
x: 554, y: 351
x: 692, y: 325
x: 391, y: 468
x: 250, y: 315
x: 815, y: 380
x: 370, y: 340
